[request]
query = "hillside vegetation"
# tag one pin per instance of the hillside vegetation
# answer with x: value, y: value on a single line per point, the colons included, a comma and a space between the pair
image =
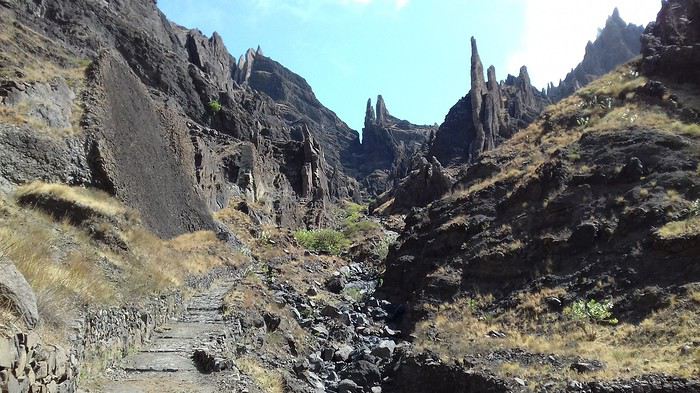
x: 597, y: 200
x: 79, y: 247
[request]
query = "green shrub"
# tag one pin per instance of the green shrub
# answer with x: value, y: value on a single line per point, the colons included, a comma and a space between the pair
x: 356, y: 223
x: 591, y: 311
x: 215, y: 106
x: 360, y: 227
x: 323, y: 240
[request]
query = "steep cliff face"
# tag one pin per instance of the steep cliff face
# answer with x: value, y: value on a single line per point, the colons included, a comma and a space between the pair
x: 299, y: 104
x: 594, y: 200
x: 670, y: 46
x: 389, y: 146
x: 173, y: 125
x: 617, y: 43
x: 489, y: 114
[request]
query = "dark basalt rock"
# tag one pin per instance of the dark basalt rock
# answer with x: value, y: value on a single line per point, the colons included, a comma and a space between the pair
x: 426, y: 183
x: 671, y: 45
x: 617, y: 43
x: 162, y: 83
x: 262, y: 74
x: 489, y: 114
x: 388, y: 147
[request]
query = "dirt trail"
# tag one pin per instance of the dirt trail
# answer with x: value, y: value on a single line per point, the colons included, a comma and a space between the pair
x: 166, y: 365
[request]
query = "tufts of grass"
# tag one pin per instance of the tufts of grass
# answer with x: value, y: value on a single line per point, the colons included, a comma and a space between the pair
x: 680, y: 229
x: 67, y: 268
x: 643, y: 115
x: 266, y: 379
x: 95, y: 200
x: 455, y: 330
x: 624, y: 80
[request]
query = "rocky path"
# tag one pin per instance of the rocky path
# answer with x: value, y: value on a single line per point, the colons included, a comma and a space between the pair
x: 167, y: 365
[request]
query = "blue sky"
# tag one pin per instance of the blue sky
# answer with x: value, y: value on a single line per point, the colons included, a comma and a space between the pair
x: 413, y: 52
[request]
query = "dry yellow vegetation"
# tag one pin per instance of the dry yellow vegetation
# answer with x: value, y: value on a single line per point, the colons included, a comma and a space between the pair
x: 265, y: 378
x: 678, y: 229
x: 458, y: 329
x: 68, y: 268
x: 461, y: 328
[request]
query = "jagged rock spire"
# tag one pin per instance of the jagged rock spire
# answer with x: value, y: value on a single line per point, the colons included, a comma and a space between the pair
x: 245, y: 65
x: 478, y: 89
x: 616, y: 14
x: 370, y: 118
x: 477, y: 69
x: 382, y: 113
x: 525, y: 87
x: 492, y: 84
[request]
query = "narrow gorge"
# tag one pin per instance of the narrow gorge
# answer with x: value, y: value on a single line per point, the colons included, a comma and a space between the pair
x: 174, y: 218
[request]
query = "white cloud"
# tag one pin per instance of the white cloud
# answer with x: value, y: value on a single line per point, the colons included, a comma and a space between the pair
x: 556, y: 33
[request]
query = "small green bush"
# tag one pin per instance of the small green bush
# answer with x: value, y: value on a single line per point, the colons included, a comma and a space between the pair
x: 356, y: 223
x: 323, y: 240
x: 360, y: 227
x: 215, y: 106
x: 591, y: 311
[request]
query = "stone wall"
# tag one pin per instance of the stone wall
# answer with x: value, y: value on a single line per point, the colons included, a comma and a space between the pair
x: 100, y: 338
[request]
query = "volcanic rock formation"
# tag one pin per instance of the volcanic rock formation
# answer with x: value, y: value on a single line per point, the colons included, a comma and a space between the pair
x: 489, y: 114
x: 670, y: 46
x: 388, y: 147
x: 173, y: 124
x: 617, y: 43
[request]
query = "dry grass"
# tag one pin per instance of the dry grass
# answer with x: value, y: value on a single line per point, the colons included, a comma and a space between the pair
x: 628, y: 350
x: 645, y: 116
x: 679, y: 229
x: 68, y: 269
x: 504, y: 175
x: 266, y: 379
x: 97, y: 201
x: 625, y: 79
x: 32, y: 242
x: 533, y: 305
x: 35, y: 56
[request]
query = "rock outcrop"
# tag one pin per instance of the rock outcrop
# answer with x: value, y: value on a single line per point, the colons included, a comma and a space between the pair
x: 389, y: 146
x: 489, y: 114
x: 671, y: 45
x: 16, y: 294
x: 131, y: 146
x: 617, y: 43
x: 427, y: 182
x: 570, y: 204
x: 298, y: 103
x: 174, y: 126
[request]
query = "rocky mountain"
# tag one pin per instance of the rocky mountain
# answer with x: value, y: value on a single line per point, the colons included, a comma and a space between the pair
x: 617, y: 43
x: 299, y: 105
x: 172, y: 217
x: 594, y: 202
x: 389, y: 146
x: 168, y: 112
x: 670, y: 45
x: 490, y: 113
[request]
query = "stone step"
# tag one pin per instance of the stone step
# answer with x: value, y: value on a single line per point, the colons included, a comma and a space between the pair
x: 159, y: 362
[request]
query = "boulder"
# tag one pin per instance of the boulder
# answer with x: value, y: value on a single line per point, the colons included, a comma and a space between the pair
x: 15, y: 291
x: 348, y: 386
x: 385, y: 349
x: 363, y: 373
